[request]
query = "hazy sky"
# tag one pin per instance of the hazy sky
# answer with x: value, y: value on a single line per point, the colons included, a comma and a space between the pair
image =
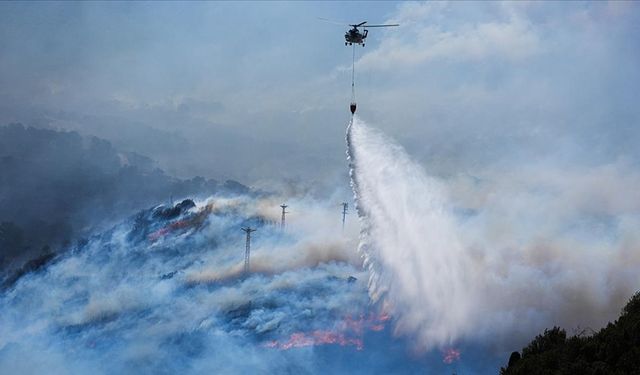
x: 260, y: 91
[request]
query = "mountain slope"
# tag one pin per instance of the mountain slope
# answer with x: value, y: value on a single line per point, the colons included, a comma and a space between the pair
x: 164, y: 292
x: 57, y: 186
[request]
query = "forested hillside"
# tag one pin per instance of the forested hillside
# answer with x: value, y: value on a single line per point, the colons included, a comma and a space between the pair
x: 56, y: 186
x: 615, y: 349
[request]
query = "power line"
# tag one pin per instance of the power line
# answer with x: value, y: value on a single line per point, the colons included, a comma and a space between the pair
x: 352, y: 106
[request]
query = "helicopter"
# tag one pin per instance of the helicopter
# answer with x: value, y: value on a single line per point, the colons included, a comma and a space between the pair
x: 354, y: 35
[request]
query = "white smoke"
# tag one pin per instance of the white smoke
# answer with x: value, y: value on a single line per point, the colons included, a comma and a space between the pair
x: 499, y: 270
x: 158, y: 295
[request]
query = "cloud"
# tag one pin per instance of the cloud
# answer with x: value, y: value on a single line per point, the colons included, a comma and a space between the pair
x: 424, y: 37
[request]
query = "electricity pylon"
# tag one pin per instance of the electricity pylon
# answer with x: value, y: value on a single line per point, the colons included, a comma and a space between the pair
x: 247, y: 251
x: 284, y: 212
x: 345, y: 207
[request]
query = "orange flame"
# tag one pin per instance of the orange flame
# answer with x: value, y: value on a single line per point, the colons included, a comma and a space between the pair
x: 450, y: 355
x: 315, y: 338
x: 350, y: 332
x: 195, y: 221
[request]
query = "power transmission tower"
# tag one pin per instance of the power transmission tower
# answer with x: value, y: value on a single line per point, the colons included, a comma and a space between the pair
x: 345, y: 207
x: 247, y: 251
x: 284, y: 212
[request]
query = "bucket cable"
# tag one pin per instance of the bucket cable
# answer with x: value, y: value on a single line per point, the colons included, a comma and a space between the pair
x: 353, y: 76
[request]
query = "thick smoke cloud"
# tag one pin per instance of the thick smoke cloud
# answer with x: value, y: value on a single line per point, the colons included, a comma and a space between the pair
x: 475, y: 260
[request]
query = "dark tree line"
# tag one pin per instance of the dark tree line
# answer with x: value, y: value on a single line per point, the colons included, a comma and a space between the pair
x: 57, y: 186
x: 615, y: 349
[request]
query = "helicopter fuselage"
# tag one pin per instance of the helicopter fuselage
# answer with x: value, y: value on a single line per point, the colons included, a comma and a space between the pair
x: 355, y: 36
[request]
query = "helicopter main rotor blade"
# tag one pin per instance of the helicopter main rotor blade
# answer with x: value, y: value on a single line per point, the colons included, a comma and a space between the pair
x: 333, y: 22
x: 390, y: 25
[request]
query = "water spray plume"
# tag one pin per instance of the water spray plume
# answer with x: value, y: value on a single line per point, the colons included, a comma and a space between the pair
x: 408, y: 240
x: 446, y: 278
